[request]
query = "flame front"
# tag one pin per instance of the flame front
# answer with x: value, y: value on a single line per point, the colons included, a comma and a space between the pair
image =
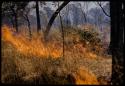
x: 33, y: 47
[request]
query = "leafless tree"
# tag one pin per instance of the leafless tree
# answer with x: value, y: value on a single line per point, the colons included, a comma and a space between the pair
x: 53, y: 18
x: 38, y: 17
x: 61, y: 29
x: 83, y: 12
x: 14, y: 9
x: 44, y: 15
x: 25, y: 15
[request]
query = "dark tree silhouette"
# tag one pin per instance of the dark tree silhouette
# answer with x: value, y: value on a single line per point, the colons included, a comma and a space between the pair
x: 117, y: 42
x: 28, y: 22
x: 30, y: 34
x: 25, y: 15
x: 12, y: 21
x: 38, y: 17
x: 53, y: 18
x: 15, y: 18
x: 14, y: 9
x: 68, y: 20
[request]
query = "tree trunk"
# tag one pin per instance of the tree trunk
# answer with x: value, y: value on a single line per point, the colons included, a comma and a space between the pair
x: 53, y: 18
x: 38, y: 17
x: 12, y: 21
x: 84, y: 14
x: 67, y: 9
x: 28, y: 22
x: 117, y: 43
x: 15, y: 19
x: 62, y: 30
x: 16, y: 22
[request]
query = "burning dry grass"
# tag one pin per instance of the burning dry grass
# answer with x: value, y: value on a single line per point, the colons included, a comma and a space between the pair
x: 21, y: 65
x: 34, y: 46
x: 37, y: 47
x: 84, y: 76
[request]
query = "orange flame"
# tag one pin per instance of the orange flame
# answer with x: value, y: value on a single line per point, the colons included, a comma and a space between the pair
x: 34, y: 47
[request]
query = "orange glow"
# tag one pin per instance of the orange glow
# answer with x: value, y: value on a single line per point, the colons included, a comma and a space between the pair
x: 83, y: 76
x: 37, y: 47
x: 34, y: 47
x: 74, y: 55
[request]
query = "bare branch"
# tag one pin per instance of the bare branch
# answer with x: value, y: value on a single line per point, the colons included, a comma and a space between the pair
x: 103, y: 9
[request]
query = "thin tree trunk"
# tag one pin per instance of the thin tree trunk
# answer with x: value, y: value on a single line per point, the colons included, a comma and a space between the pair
x: 12, y: 21
x: 16, y: 22
x: 15, y: 19
x: 38, y: 17
x: 83, y: 12
x: 62, y: 30
x: 53, y: 18
x: 30, y: 34
x: 67, y: 9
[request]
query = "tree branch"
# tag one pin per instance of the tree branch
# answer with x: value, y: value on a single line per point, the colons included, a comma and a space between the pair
x: 53, y: 18
x: 103, y: 9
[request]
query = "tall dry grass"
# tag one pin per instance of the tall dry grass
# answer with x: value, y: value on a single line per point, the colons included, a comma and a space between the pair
x: 33, y: 61
x: 35, y: 46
